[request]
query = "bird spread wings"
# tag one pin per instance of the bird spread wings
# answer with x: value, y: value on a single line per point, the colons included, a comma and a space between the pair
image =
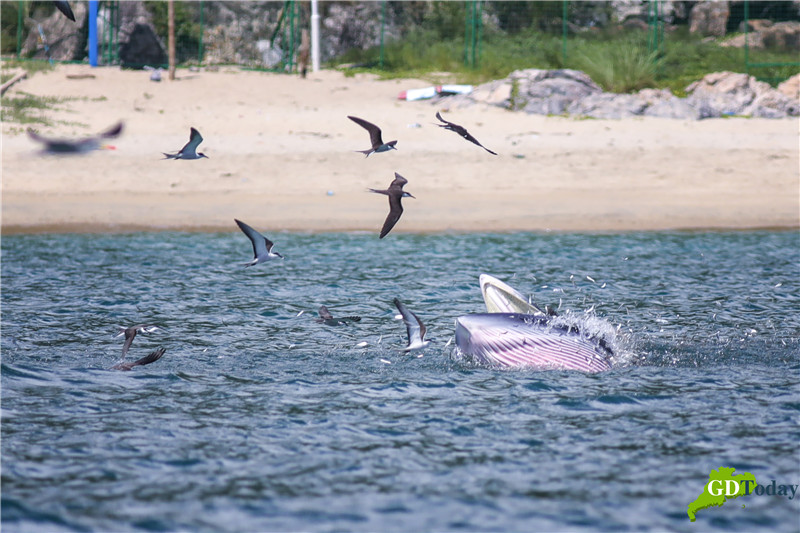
x: 261, y: 245
x: 462, y: 131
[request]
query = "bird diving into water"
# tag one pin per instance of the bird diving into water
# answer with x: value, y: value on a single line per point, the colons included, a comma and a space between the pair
x: 189, y: 150
x: 262, y: 247
x: 461, y: 131
x: 395, y: 192
x: 375, y: 137
x: 80, y: 146
x: 414, y: 327
x: 130, y: 334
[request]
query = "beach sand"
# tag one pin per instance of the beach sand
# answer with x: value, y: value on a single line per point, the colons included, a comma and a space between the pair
x: 281, y: 157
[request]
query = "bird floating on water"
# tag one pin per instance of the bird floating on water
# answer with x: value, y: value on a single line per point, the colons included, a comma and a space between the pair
x: 395, y: 192
x: 80, y: 146
x: 262, y: 247
x: 375, y: 137
x: 189, y: 150
x: 461, y: 131
x: 414, y: 327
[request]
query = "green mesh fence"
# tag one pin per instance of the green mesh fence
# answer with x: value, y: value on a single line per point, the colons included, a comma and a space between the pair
x: 490, y: 37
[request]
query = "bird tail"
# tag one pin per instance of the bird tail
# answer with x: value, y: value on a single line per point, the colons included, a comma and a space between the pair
x: 365, y: 152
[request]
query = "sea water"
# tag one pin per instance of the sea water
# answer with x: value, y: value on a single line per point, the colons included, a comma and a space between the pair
x: 258, y: 418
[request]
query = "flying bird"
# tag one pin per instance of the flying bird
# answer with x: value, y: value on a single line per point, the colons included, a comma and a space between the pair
x: 130, y: 334
x: 395, y: 192
x: 189, y: 150
x: 461, y: 131
x: 374, y: 137
x: 414, y: 327
x: 80, y: 146
x: 262, y: 247
x: 65, y: 9
x: 325, y: 317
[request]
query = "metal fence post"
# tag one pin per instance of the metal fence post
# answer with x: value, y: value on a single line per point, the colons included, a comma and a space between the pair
x: 383, y: 28
x: 202, y: 35
x: 564, y: 32
x: 93, y: 32
x: 19, y: 28
x: 746, y: 34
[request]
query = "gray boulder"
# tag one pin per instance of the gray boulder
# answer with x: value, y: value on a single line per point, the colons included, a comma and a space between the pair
x: 66, y: 40
x: 647, y: 102
x: 709, y: 18
x: 730, y: 93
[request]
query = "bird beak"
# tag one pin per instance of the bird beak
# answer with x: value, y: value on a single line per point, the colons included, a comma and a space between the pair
x: 108, y: 147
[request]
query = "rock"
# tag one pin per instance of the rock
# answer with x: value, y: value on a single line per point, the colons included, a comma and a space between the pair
x: 66, y: 40
x: 647, y: 102
x: 558, y: 92
x: 754, y: 40
x: 754, y: 25
x: 549, y: 92
x: 783, y: 36
x: 141, y: 48
x: 729, y: 93
x: 791, y: 87
x: 709, y: 17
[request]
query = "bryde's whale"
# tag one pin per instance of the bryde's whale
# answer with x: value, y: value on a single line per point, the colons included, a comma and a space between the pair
x: 517, y: 334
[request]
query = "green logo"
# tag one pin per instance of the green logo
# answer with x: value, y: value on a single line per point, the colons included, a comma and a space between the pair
x: 722, y: 485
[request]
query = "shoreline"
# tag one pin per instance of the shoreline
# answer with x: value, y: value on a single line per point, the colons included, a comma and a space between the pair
x: 282, y: 159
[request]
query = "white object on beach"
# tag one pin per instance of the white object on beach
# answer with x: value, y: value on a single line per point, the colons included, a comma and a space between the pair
x: 429, y: 92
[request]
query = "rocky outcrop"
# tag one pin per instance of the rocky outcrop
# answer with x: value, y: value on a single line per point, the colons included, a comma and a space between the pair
x: 729, y: 93
x: 570, y: 92
x: 791, y: 87
x: 709, y: 18
x: 782, y: 36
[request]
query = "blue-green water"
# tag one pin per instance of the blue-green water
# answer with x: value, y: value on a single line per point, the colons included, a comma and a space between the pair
x: 260, y: 419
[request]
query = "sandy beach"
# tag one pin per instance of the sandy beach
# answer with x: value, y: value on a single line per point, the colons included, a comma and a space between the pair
x: 281, y: 157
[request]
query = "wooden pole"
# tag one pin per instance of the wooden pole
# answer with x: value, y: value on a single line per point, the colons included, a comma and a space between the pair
x: 171, y: 38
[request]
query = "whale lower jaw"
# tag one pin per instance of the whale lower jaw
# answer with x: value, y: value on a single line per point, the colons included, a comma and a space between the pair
x: 514, y: 340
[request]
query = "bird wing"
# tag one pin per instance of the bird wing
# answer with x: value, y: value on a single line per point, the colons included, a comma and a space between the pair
x: 152, y: 357
x: 414, y: 326
x: 130, y: 334
x: 194, y: 141
x: 65, y: 9
x: 113, y: 131
x: 324, y: 313
x: 398, y: 182
x: 473, y: 140
x: 260, y: 243
x: 53, y: 144
x: 447, y: 122
x: 374, y: 131
x: 395, y: 210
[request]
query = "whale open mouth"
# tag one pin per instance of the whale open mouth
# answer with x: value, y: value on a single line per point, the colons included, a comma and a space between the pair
x: 517, y: 334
